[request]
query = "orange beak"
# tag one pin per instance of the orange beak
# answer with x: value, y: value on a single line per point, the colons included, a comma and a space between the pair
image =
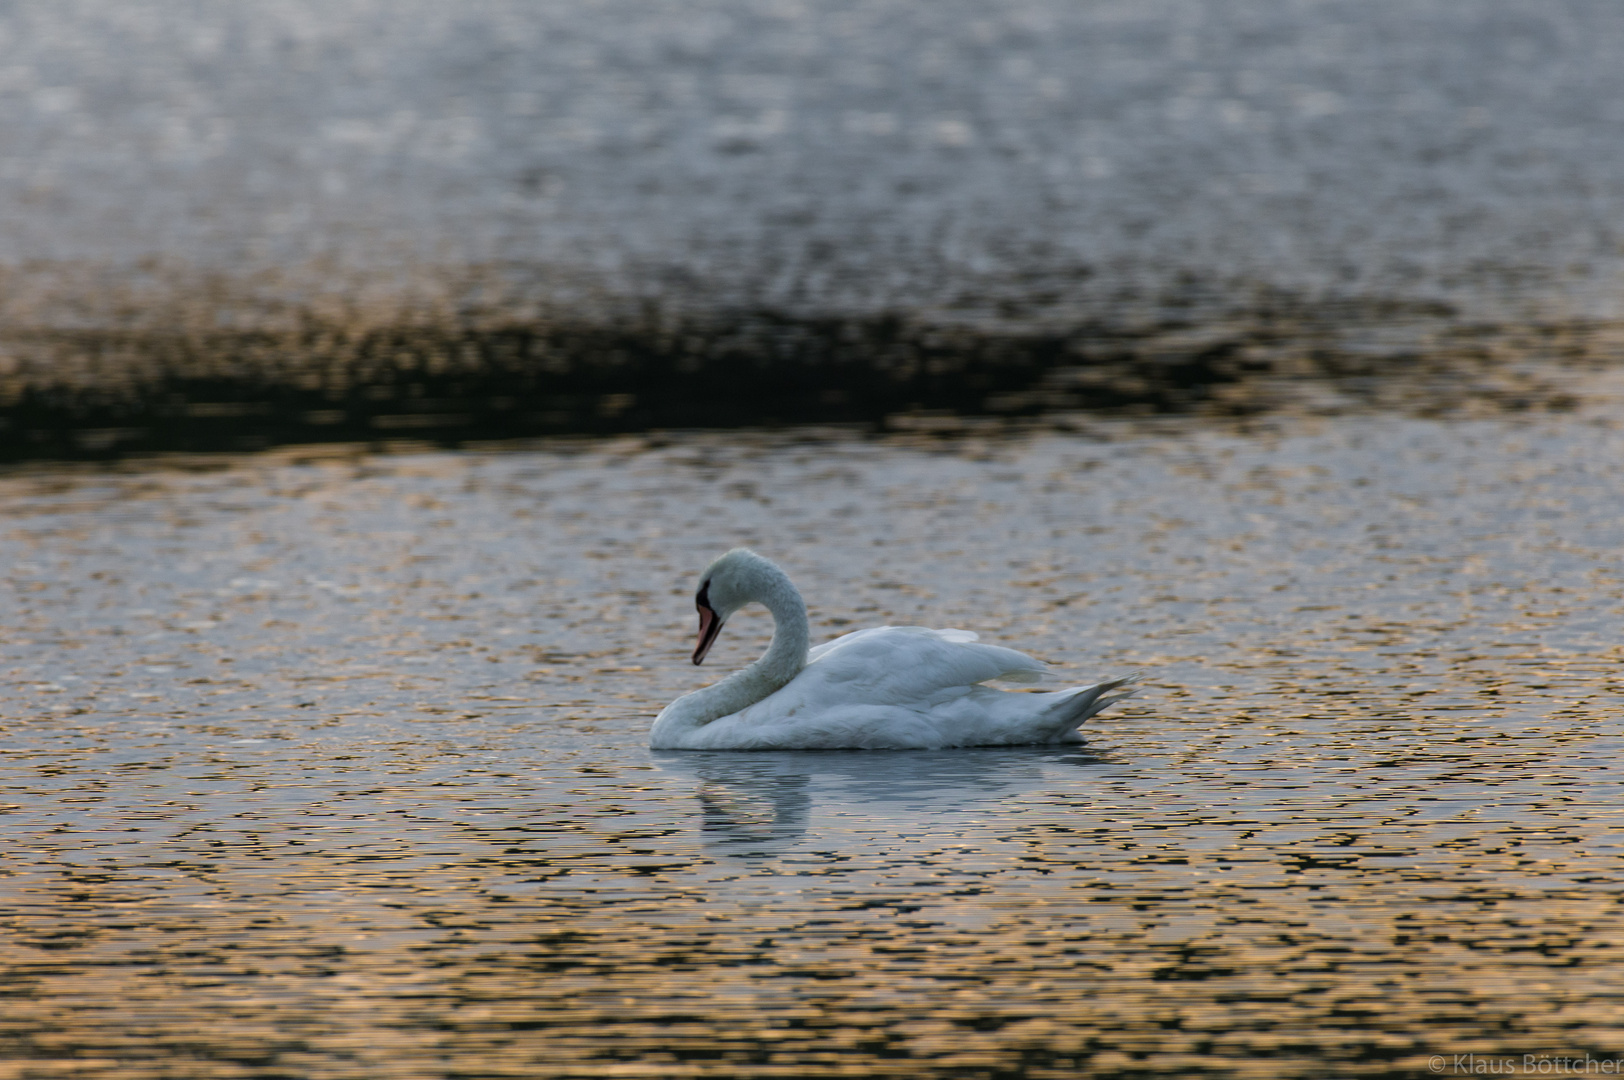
x: 709, y: 627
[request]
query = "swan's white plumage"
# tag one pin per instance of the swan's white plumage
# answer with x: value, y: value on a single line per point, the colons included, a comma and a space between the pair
x: 897, y: 687
x: 892, y: 687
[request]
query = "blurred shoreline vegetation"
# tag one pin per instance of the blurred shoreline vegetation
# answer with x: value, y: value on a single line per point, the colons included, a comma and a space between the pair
x: 234, y: 368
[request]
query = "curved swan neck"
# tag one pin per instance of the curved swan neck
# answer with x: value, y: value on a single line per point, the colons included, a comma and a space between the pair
x: 792, y: 634
x: 782, y: 661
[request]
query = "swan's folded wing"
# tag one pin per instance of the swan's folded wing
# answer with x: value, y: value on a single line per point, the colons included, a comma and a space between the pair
x: 907, y: 665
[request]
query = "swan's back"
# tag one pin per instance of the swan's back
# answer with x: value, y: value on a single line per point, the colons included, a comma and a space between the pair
x: 900, y: 665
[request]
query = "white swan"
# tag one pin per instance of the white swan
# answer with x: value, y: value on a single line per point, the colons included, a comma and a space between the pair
x: 894, y: 687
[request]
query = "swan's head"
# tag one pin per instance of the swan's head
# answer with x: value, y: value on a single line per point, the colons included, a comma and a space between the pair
x: 727, y: 585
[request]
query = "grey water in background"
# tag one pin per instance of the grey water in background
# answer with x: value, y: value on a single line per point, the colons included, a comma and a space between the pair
x: 1025, y: 162
x: 231, y: 226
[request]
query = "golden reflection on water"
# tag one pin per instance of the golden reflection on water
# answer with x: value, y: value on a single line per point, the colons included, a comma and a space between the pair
x: 322, y: 764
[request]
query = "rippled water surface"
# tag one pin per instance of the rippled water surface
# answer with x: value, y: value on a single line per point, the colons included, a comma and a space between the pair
x: 328, y: 764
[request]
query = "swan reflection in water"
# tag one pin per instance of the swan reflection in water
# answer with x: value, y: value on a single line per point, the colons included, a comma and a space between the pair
x: 753, y: 803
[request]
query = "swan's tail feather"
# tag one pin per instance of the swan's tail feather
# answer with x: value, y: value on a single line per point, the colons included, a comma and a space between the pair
x: 1071, y: 713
